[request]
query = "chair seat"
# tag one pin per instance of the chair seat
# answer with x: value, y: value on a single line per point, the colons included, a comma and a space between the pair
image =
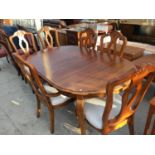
x: 50, y: 89
x: 3, y: 52
x: 94, y: 109
x: 59, y: 100
x: 20, y: 51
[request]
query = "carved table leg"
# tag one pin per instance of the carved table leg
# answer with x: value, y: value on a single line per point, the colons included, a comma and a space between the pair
x: 80, y: 113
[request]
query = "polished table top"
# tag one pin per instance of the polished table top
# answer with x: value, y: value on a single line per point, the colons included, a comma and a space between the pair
x: 145, y: 59
x: 76, y: 71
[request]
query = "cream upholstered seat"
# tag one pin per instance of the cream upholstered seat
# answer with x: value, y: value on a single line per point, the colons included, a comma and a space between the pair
x: 94, y: 109
x: 59, y: 100
x: 50, y: 89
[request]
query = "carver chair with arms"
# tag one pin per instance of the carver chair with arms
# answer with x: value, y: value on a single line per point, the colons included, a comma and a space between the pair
x: 44, y: 93
x: 123, y: 96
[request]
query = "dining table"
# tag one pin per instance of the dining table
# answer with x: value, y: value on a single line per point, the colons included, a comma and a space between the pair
x: 78, y: 72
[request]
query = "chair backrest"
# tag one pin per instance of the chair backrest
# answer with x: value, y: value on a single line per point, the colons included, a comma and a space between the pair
x: 2, y: 35
x: 87, y: 39
x: 5, y: 40
x: 3, y: 49
x: 31, y: 75
x: 45, y: 36
x: 25, y: 41
x: 131, y: 96
x: 115, y: 43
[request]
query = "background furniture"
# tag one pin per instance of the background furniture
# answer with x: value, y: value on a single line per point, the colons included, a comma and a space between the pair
x: 139, y: 33
x: 62, y: 37
x: 78, y: 73
x: 73, y: 31
x: 60, y: 23
x: 132, y: 53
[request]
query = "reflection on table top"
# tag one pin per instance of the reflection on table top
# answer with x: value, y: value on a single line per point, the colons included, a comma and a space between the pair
x: 78, y: 71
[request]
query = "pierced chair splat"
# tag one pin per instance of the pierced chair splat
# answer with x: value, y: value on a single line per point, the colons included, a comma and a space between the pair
x: 25, y: 39
x: 114, y: 43
x: 87, y: 39
x: 46, y: 39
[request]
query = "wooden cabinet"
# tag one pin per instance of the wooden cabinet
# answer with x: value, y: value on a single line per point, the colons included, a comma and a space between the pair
x: 62, y: 38
x: 139, y: 33
x: 72, y: 37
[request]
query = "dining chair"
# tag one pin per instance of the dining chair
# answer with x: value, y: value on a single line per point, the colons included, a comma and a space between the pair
x: 151, y: 113
x: 26, y: 42
x: 121, y: 101
x: 114, y: 42
x: 45, y: 36
x: 49, y: 96
x: 87, y: 39
x: 3, y: 52
x: 6, y: 42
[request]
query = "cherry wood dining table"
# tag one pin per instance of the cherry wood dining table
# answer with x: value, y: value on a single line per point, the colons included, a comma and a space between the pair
x: 78, y: 72
x: 145, y: 59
